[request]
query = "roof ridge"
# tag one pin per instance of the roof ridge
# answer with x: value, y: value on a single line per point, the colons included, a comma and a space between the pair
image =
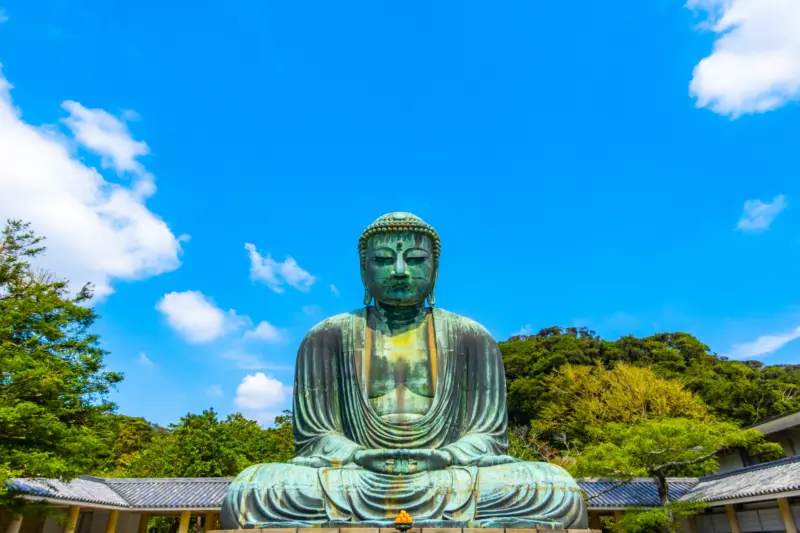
x: 103, y: 480
x: 753, y: 468
x: 771, y: 419
x: 636, y: 480
x: 131, y: 480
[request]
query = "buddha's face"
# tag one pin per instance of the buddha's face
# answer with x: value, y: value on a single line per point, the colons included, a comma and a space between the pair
x: 399, y: 268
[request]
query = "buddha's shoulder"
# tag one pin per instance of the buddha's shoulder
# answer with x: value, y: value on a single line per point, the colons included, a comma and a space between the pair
x: 336, y: 322
x: 459, y: 322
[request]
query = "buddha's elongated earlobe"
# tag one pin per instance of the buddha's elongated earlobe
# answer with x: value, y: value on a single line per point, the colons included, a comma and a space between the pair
x: 431, y: 299
x: 367, y: 296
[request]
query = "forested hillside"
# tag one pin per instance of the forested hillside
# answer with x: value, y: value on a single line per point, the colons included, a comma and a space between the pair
x: 740, y: 391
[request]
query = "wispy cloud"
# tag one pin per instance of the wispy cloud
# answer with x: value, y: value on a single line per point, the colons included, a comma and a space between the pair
x: 145, y: 361
x: 764, y: 345
x: 265, y: 331
x: 758, y: 216
x: 334, y: 290
x: 250, y: 361
x: 197, y: 318
x: 276, y: 274
x: 106, y: 135
x: 214, y: 391
x: 525, y: 330
x: 312, y: 311
x: 3, y: 16
x: 755, y: 62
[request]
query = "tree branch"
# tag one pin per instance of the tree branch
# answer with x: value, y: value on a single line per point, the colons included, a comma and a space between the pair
x: 679, y: 464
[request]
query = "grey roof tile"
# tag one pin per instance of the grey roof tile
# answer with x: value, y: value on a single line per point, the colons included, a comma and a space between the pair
x: 80, y: 490
x: 171, y: 492
x: 638, y: 492
x: 768, y: 478
x: 208, y: 493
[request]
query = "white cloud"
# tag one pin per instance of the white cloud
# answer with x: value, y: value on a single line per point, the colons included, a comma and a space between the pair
x: 275, y: 274
x: 196, y: 317
x: 525, y: 330
x: 758, y: 215
x: 97, y: 231
x: 266, y: 418
x: 250, y: 361
x: 215, y: 391
x: 755, y: 62
x: 107, y: 136
x: 145, y: 361
x: 258, y: 392
x: 311, y: 311
x: 334, y: 290
x: 764, y: 345
x: 265, y: 331
x: 3, y: 16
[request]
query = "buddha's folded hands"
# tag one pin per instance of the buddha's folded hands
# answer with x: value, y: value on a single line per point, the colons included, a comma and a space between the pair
x: 403, y: 461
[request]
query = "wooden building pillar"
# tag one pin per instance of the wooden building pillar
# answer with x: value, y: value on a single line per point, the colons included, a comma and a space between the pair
x: 734, y: 521
x: 211, y: 521
x: 786, y: 514
x: 143, y: 521
x: 72, y: 518
x: 113, y: 518
x: 15, y: 524
x: 186, y: 516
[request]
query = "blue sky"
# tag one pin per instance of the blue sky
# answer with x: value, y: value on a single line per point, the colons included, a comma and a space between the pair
x: 629, y: 166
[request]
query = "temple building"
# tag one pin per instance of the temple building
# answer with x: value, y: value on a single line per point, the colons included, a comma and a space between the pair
x: 745, y: 496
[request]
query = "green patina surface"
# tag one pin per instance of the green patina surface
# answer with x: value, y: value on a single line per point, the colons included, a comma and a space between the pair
x: 399, y: 406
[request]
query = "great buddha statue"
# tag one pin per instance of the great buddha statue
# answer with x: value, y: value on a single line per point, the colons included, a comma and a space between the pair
x: 401, y: 406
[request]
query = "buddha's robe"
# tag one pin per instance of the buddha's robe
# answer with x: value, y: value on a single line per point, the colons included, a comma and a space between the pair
x: 333, y: 419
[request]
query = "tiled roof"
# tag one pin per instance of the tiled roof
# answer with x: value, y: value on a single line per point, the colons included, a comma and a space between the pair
x: 638, y: 492
x: 79, y: 490
x: 171, y: 492
x: 208, y: 493
x: 767, y: 478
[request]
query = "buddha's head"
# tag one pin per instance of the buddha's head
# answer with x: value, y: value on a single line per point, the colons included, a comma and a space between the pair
x: 399, y: 260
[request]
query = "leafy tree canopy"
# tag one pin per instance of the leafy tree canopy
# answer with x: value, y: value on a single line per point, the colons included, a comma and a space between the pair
x: 53, y: 384
x: 203, y: 445
x: 741, y: 391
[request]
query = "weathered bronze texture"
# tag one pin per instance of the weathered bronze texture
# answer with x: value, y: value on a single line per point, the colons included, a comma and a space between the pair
x: 399, y: 406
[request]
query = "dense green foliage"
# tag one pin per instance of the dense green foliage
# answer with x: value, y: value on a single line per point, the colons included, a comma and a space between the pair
x: 741, y: 391
x: 635, y: 407
x: 53, y: 384
x: 205, y: 446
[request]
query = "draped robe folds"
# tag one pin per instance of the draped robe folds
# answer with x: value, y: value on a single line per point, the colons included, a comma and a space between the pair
x: 468, y: 419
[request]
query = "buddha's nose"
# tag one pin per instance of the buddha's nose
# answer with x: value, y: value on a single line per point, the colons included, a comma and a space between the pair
x: 400, y: 270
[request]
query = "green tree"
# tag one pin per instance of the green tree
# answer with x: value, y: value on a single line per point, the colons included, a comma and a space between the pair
x: 122, y: 436
x: 663, y: 447
x: 53, y: 385
x: 203, y: 445
x: 578, y: 402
